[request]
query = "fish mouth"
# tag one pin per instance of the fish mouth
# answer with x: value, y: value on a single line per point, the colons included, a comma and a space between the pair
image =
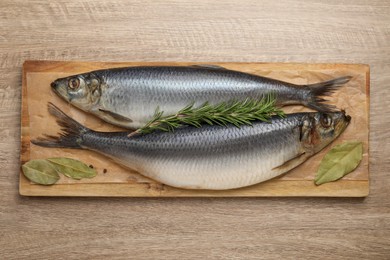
x: 59, y: 90
x: 343, y: 121
x: 54, y: 87
x: 347, y: 117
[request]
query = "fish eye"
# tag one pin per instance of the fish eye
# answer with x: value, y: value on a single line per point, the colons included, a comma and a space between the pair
x: 74, y: 83
x: 326, y: 120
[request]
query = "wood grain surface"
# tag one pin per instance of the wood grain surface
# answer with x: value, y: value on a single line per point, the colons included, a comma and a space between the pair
x: 206, y: 31
x: 122, y: 182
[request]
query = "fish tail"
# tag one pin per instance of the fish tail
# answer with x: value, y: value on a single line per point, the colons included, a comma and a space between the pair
x: 71, y: 135
x: 325, y: 88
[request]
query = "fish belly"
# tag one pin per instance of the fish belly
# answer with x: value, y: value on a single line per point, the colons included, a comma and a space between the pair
x: 226, y: 171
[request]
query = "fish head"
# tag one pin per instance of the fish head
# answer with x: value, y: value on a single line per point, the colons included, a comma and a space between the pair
x: 320, y: 129
x: 82, y: 90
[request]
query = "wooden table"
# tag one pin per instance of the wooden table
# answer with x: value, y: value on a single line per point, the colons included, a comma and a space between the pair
x: 182, y: 228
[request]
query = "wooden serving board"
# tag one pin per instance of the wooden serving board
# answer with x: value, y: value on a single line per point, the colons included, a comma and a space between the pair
x: 114, y: 180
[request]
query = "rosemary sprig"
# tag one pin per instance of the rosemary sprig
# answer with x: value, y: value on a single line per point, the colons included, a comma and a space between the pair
x: 233, y: 112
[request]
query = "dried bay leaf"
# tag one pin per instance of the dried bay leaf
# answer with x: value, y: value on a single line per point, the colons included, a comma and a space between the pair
x: 339, y: 161
x: 72, y: 168
x: 41, y: 172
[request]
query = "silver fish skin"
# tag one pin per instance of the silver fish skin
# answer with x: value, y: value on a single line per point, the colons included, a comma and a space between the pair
x: 128, y: 97
x: 210, y: 157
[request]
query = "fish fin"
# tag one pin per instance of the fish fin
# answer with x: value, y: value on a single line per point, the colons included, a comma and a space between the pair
x: 71, y: 135
x: 325, y: 88
x: 115, y: 116
x: 209, y: 66
x: 292, y: 163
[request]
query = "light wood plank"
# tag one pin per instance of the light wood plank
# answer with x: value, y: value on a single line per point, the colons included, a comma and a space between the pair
x: 36, y: 121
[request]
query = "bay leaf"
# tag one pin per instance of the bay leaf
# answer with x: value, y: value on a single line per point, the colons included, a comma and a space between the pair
x: 339, y: 161
x: 72, y: 168
x: 41, y: 172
